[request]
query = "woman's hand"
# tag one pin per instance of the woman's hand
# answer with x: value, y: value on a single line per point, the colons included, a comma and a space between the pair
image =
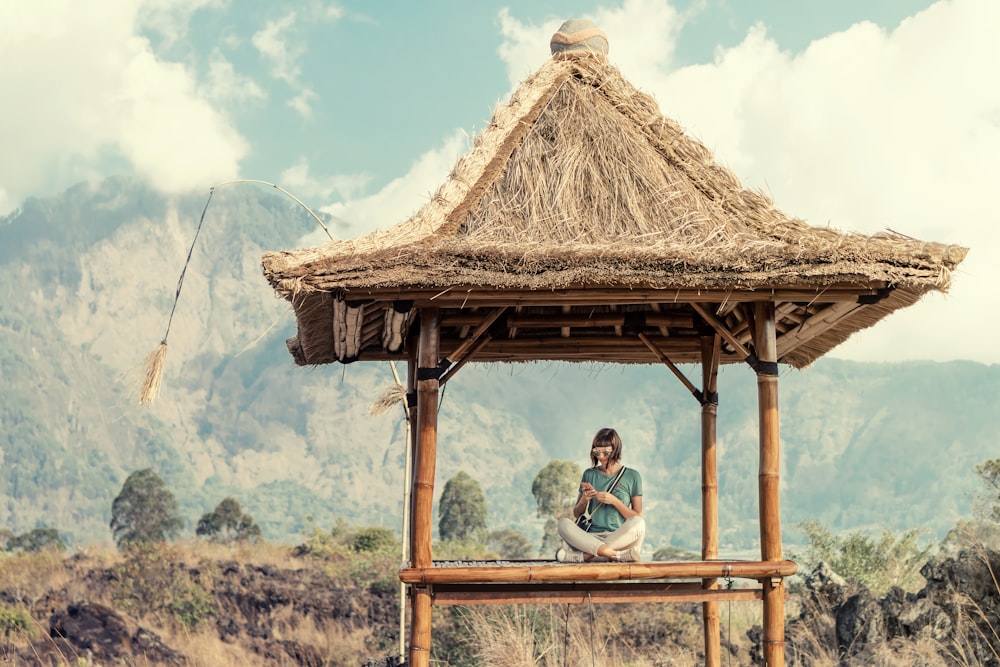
x: 605, y: 497
x: 587, y: 490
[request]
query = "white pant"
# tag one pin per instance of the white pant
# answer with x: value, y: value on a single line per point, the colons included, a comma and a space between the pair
x: 628, y: 535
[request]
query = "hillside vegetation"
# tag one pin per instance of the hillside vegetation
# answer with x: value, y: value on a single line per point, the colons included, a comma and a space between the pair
x: 87, y: 280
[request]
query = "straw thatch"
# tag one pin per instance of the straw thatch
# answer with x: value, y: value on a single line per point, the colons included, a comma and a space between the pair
x: 581, y: 198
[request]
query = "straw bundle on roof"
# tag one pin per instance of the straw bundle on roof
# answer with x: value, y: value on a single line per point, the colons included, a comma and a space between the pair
x: 580, y: 182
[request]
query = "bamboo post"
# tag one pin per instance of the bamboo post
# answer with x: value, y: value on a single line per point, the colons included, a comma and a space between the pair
x: 710, y: 350
x: 423, y: 498
x: 768, y: 481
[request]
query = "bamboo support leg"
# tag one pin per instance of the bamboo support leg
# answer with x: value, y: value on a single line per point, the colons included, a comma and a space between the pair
x: 420, y: 628
x: 774, y: 623
x: 710, y: 347
x: 423, y: 492
x: 768, y: 481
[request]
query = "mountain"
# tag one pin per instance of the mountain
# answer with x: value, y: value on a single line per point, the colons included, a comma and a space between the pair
x: 88, y: 279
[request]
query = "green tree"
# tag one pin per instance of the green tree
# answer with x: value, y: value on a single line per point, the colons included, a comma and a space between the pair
x: 892, y: 560
x: 509, y: 544
x: 983, y: 530
x: 556, y: 487
x: 36, y: 539
x: 671, y: 553
x: 228, y: 523
x: 144, y: 511
x: 374, y: 538
x: 989, y: 473
x: 462, y: 510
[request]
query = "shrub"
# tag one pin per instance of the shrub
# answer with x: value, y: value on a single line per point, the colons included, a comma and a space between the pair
x: 892, y: 560
x: 374, y: 538
x: 228, y: 523
x: 15, y: 622
x: 152, y: 579
x: 35, y: 540
x: 674, y: 554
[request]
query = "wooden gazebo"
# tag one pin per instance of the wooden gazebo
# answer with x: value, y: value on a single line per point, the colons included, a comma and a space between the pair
x: 585, y: 226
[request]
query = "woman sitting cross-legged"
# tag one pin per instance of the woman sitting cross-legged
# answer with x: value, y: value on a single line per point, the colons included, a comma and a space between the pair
x: 617, y: 527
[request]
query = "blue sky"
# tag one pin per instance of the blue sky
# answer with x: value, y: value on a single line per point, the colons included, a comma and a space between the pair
x: 855, y: 114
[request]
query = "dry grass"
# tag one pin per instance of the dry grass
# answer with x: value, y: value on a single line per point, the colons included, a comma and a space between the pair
x: 35, y: 578
x: 554, y: 636
x: 510, y: 635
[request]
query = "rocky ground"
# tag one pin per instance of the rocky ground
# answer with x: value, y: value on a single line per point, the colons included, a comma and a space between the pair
x: 184, y: 609
x: 953, y: 620
x: 170, y: 611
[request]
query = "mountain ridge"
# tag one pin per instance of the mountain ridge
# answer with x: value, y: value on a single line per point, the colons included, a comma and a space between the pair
x: 89, y: 278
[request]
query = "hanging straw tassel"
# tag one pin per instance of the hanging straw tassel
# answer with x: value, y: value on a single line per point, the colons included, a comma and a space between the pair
x: 153, y: 367
x: 153, y: 373
x: 390, y: 397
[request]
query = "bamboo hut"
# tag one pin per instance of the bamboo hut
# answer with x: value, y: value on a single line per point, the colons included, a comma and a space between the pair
x: 584, y: 225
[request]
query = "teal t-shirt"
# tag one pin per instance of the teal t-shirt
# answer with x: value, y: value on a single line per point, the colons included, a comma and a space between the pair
x: 606, y: 518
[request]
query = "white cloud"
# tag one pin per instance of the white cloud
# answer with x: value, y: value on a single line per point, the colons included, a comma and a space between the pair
x: 167, y: 132
x: 332, y: 12
x: 642, y: 38
x: 400, y: 198
x: 225, y: 84
x: 301, y: 102
x: 86, y: 89
x: 278, y: 50
x: 299, y: 179
x: 864, y: 130
x: 282, y: 44
x: 170, y: 18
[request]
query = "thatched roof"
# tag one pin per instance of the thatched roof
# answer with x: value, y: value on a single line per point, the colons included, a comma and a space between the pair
x: 581, y: 197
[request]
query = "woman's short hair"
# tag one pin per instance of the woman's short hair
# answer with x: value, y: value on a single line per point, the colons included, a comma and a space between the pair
x: 607, y: 437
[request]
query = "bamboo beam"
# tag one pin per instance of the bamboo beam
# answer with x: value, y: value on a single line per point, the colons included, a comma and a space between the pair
x: 584, y: 344
x: 567, y: 319
x: 657, y: 308
x: 659, y: 354
x: 427, y: 402
x: 606, y: 349
x: 483, y: 326
x: 470, y: 297
x: 583, y: 320
x: 768, y: 483
x: 710, y: 351
x: 816, y: 325
x: 550, y: 571
x: 475, y: 594
x: 721, y: 329
x: 468, y: 348
x: 468, y: 356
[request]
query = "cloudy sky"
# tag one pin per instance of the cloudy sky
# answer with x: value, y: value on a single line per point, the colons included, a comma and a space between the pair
x: 854, y: 114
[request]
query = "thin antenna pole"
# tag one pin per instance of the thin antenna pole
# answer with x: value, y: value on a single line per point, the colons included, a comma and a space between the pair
x: 406, y: 515
x: 282, y: 191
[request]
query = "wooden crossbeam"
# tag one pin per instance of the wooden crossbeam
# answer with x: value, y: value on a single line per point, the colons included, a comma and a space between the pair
x: 593, y: 572
x: 568, y: 319
x: 721, y: 329
x: 468, y: 297
x: 580, y: 593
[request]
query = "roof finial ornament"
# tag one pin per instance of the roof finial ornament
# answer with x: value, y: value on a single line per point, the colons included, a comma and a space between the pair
x: 579, y: 35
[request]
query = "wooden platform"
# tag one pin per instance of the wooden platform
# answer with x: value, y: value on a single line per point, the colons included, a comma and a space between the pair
x: 529, y: 582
